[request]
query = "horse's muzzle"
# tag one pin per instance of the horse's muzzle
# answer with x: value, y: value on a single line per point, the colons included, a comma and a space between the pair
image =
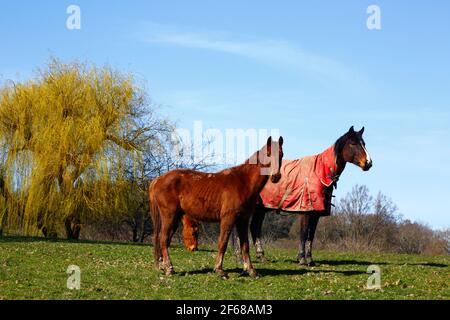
x: 275, y: 177
x: 367, y: 166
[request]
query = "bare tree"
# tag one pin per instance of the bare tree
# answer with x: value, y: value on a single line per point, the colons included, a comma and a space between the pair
x: 163, y: 153
x: 445, y: 235
x: 361, y: 223
x: 353, y: 206
x: 383, y: 229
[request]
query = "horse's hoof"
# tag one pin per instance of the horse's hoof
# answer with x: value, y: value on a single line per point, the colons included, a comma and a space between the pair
x: 222, y: 274
x: 169, y: 271
x: 302, y: 261
x: 253, y: 274
x: 261, y: 257
x: 160, y: 267
x: 249, y: 273
x: 311, y: 263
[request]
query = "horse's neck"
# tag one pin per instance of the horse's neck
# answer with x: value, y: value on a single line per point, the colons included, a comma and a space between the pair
x: 340, y: 163
x: 254, y: 170
x: 256, y: 180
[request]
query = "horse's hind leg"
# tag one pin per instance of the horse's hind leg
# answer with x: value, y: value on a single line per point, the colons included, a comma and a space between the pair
x: 236, y: 246
x: 242, y: 229
x: 304, y: 221
x: 314, y: 219
x: 256, y: 230
x: 175, y: 226
x: 226, y: 225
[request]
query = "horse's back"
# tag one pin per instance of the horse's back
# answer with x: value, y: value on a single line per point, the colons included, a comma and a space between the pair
x: 180, y: 179
x: 199, y: 195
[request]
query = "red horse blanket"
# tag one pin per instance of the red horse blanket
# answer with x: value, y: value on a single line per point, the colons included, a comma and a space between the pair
x: 304, y: 184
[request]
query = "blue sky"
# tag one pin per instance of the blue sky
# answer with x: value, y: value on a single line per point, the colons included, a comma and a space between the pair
x: 310, y: 69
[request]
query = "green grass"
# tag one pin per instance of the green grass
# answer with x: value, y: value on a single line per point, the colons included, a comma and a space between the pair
x: 36, y: 269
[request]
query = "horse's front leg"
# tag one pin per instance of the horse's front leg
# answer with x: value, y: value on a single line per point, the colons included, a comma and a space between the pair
x: 242, y: 229
x: 226, y: 225
x: 256, y: 230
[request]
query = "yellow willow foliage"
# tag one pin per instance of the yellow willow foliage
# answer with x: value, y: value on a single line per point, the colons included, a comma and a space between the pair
x: 68, y: 139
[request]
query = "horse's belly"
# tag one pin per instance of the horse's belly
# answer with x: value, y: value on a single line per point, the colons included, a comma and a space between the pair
x: 201, y: 208
x: 203, y: 215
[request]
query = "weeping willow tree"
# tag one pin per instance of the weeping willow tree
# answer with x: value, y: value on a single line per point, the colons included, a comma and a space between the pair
x: 71, y: 140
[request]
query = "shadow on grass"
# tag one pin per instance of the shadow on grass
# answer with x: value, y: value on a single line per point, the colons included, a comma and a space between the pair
x: 206, y: 250
x: 427, y: 264
x: 276, y: 272
x: 347, y: 262
x: 288, y: 272
x: 368, y: 263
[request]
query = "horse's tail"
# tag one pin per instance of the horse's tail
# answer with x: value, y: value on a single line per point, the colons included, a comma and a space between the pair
x: 154, y: 213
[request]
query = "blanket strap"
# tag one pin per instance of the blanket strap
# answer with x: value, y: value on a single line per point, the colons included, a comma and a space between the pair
x: 279, y: 211
x: 288, y: 191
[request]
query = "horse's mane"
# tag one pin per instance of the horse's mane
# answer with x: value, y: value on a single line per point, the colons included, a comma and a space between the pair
x: 339, y: 144
x: 254, y: 158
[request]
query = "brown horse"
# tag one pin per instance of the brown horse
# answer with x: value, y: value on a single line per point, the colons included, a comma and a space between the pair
x: 350, y: 148
x: 228, y: 197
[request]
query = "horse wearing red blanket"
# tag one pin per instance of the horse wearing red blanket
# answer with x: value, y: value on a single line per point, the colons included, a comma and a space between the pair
x: 309, y: 189
x: 304, y: 184
x: 306, y: 187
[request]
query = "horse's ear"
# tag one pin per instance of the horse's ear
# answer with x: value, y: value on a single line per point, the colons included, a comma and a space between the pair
x: 269, y: 145
x: 361, y: 131
x: 351, y: 130
x: 280, y: 141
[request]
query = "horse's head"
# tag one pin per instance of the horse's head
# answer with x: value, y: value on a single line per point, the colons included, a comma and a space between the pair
x: 272, y: 155
x: 353, y: 149
x: 190, y: 234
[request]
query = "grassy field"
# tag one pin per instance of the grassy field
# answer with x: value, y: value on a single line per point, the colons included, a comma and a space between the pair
x: 36, y: 269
